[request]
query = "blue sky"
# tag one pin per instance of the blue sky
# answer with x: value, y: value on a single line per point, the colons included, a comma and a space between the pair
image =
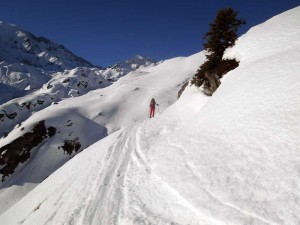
x: 106, y: 32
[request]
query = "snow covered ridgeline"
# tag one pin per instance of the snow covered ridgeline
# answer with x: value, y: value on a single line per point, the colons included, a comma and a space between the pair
x: 231, y: 160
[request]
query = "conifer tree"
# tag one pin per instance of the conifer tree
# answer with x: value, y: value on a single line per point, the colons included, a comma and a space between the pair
x: 222, y: 34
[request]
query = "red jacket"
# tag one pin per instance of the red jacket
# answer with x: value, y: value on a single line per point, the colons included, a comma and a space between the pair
x: 152, y: 103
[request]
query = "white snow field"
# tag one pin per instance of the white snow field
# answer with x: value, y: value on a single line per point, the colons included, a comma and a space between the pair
x: 232, y: 159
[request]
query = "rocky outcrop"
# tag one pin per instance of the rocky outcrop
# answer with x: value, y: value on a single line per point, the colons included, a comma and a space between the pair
x: 71, y: 145
x: 18, y: 151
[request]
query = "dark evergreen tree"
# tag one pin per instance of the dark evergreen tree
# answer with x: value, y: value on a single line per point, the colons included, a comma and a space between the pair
x: 222, y: 34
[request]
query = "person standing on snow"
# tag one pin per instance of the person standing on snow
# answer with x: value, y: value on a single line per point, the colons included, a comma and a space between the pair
x: 152, y: 107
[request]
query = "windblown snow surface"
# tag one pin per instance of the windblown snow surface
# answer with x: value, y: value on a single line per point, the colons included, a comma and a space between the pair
x: 233, y: 158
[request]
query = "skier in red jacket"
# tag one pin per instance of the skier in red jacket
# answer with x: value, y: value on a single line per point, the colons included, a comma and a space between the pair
x: 152, y: 107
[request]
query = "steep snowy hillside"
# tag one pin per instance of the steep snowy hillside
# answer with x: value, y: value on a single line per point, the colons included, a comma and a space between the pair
x: 20, y: 46
x: 63, y: 85
x: 73, y: 124
x: 233, y: 158
x: 122, y: 68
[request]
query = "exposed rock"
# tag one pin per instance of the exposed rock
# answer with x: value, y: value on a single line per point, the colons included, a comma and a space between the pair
x: 83, y: 83
x: 211, y: 83
x: 51, y: 131
x: 18, y: 151
x: 49, y: 86
x: 66, y: 80
x: 71, y: 145
x: 182, y: 89
x: 9, y: 116
x: 26, y: 104
x: 40, y: 102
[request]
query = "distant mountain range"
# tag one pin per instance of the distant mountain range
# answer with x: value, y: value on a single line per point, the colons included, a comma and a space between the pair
x: 38, y: 76
x: 28, y: 62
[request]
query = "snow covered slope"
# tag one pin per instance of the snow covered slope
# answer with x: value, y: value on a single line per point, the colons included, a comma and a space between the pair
x: 233, y: 158
x: 80, y: 120
x: 69, y: 83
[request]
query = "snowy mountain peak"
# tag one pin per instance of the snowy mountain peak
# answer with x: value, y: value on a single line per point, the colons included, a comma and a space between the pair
x: 134, y: 63
x: 141, y: 58
x: 20, y: 46
x: 28, y: 62
x: 124, y: 67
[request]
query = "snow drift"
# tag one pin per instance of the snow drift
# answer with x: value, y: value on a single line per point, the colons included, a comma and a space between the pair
x: 230, y: 159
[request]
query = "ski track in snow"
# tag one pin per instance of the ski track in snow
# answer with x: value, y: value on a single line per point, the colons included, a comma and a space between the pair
x: 110, y: 107
x: 115, y: 193
x: 105, y: 185
x: 122, y: 191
